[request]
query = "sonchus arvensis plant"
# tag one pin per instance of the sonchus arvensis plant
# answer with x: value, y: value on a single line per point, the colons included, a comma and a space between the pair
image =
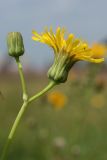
x: 67, y: 51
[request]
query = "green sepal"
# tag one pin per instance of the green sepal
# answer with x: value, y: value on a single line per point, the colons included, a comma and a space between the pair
x: 60, y: 68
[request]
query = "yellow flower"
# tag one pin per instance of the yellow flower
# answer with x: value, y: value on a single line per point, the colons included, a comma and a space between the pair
x: 74, y: 47
x: 67, y: 51
x: 99, y: 50
x: 57, y: 99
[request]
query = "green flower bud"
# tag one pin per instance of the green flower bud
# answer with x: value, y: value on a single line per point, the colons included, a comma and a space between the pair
x: 60, y: 68
x: 15, y: 44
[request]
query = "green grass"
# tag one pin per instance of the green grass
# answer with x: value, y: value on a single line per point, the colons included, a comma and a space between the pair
x: 79, y: 126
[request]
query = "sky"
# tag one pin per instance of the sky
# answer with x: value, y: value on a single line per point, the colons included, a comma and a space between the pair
x: 84, y: 18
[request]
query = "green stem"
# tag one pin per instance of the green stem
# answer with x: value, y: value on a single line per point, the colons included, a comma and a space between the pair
x: 13, y: 130
x: 19, y: 117
x: 50, y: 85
x: 24, y: 88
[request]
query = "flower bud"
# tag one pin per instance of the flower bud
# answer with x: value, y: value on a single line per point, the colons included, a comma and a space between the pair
x: 15, y: 44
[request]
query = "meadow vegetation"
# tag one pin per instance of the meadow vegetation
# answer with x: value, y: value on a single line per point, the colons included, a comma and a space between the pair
x: 78, y: 131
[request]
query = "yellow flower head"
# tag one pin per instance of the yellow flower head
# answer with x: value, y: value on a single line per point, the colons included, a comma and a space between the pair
x: 57, y: 99
x: 67, y: 51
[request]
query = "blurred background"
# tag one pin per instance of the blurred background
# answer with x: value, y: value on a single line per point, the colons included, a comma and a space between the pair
x: 68, y: 123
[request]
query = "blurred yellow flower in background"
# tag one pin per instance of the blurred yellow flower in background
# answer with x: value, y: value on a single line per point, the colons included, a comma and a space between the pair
x: 99, y: 50
x: 57, y: 99
x: 98, y: 101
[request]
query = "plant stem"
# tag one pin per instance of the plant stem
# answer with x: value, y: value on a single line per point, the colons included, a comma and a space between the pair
x: 24, y: 88
x: 12, y: 131
x: 19, y: 117
x: 48, y: 87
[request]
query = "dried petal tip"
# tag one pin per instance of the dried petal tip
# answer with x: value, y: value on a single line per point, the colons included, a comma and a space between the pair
x: 15, y: 44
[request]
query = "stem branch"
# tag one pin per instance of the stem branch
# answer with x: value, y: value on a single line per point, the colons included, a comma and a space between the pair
x: 19, y: 117
x: 48, y: 87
